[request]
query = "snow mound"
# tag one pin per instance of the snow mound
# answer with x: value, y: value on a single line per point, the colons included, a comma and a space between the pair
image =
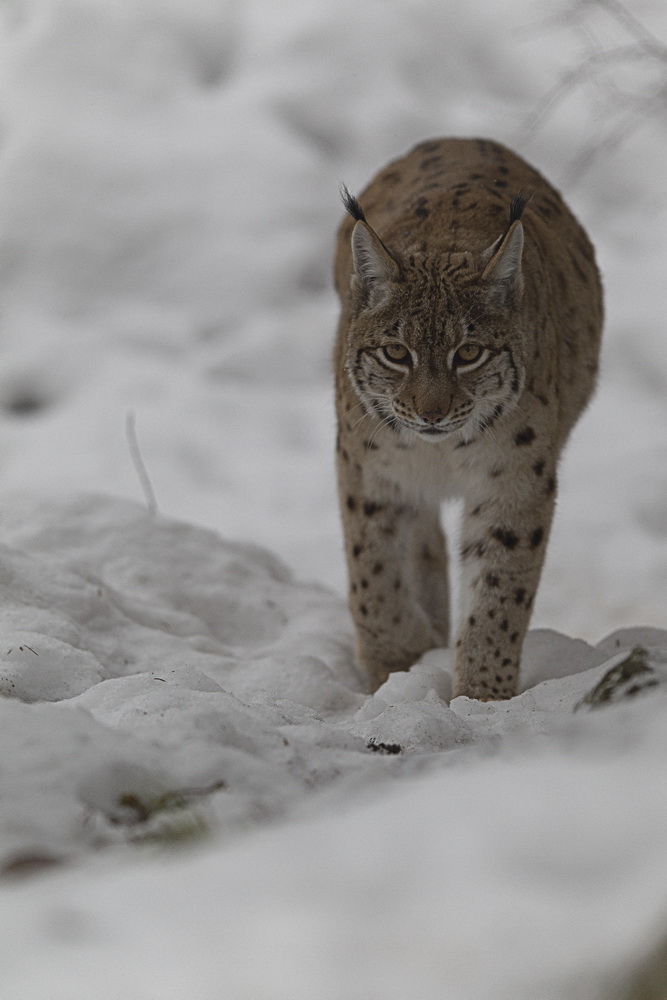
x: 161, y: 686
x: 152, y: 635
x: 159, y: 681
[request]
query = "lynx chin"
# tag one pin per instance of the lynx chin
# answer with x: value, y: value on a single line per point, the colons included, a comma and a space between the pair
x: 468, y: 343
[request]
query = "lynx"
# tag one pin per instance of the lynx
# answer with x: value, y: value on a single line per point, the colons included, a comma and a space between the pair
x: 471, y: 315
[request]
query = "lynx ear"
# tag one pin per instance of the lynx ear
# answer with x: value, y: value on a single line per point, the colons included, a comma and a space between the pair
x: 374, y: 266
x: 503, y: 268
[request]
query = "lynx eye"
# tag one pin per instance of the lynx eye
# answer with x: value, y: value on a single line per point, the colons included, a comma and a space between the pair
x: 397, y: 354
x: 467, y: 353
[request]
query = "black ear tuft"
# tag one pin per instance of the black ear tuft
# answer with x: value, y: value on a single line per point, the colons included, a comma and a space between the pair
x: 517, y: 205
x: 352, y: 205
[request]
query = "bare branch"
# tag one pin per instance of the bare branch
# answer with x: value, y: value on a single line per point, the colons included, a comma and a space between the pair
x: 573, y: 78
x: 615, y: 136
x: 600, y: 66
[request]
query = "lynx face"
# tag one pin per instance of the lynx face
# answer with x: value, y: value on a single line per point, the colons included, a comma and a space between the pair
x: 433, y: 359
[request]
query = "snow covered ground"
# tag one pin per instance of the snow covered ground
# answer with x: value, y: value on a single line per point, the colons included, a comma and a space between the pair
x: 168, y: 203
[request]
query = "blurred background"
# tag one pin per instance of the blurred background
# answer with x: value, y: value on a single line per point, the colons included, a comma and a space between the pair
x: 169, y: 178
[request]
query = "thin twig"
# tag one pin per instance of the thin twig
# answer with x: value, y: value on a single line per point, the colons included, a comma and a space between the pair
x: 138, y: 462
x: 632, y: 24
x: 573, y: 77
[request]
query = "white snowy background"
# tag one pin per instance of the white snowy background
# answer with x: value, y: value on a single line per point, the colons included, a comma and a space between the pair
x: 190, y: 805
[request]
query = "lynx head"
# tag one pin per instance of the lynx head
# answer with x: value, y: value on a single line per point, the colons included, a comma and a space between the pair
x: 435, y: 344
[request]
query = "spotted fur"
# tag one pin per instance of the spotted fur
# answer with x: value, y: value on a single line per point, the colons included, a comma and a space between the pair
x: 471, y: 316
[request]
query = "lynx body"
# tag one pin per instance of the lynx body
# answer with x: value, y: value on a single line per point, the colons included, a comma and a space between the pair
x: 471, y: 316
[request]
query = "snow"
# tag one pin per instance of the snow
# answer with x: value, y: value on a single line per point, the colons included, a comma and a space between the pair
x: 198, y: 797
x: 164, y: 686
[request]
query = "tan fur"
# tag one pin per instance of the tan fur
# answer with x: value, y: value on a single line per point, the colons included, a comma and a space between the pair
x: 435, y: 265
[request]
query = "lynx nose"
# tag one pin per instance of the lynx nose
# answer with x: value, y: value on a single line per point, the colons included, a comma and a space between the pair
x: 432, y: 416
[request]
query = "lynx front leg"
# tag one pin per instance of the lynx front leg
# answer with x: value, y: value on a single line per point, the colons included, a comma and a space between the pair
x: 392, y: 628
x: 503, y: 560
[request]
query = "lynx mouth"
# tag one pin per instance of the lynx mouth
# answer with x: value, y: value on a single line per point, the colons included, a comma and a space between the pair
x: 433, y: 432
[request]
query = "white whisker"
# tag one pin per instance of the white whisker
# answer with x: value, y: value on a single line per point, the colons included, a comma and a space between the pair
x: 376, y: 431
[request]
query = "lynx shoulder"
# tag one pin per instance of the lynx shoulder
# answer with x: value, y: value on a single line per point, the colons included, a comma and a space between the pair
x: 468, y: 342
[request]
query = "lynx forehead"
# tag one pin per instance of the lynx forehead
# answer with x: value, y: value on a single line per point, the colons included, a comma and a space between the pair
x: 468, y: 342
